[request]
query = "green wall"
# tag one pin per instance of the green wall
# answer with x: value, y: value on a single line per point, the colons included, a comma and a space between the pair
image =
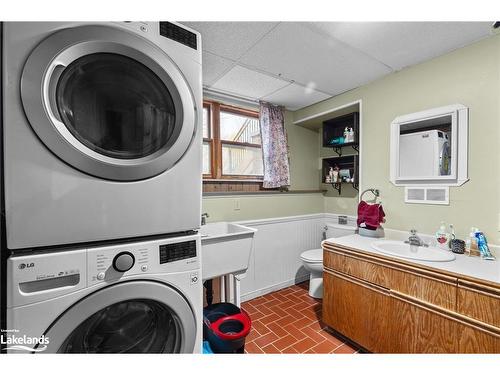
x: 469, y: 76
x: 304, y: 175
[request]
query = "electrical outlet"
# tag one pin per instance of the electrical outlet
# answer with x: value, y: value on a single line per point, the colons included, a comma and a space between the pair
x: 237, y: 204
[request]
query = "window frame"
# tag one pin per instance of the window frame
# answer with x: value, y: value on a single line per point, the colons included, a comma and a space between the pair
x: 215, y: 142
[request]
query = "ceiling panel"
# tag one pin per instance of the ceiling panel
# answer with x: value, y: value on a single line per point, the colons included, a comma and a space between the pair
x: 249, y: 83
x: 214, y: 67
x: 295, y: 51
x: 230, y: 39
x: 400, y: 44
x: 294, y: 97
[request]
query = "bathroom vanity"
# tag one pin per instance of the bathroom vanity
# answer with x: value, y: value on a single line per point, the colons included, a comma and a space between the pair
x: 391, y: 305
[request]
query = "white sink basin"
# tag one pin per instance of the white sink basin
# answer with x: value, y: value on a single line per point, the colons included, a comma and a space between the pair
x: 225, y: 249
x: 404, y: 250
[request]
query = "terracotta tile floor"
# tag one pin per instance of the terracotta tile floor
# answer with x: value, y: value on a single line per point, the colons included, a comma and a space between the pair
x: 289, y: 321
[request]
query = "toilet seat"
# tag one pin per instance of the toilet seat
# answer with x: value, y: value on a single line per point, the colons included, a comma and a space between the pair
x: 312, y: 256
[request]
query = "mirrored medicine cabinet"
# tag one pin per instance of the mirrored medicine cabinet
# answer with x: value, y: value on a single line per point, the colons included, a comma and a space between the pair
x: 430, y: 147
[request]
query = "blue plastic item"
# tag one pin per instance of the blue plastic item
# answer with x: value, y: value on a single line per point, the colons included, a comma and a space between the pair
x: 337, y: 141
x: 206, y: 348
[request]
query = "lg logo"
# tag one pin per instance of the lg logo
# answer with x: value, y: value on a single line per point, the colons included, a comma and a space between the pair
x: 22, y: 266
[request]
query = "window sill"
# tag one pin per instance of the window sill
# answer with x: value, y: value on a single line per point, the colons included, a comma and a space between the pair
x: 261, y: 192
x: 234, y: 180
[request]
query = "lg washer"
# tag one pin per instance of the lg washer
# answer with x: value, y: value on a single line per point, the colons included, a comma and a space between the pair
x: 143, y: 297
x: 102, y: 131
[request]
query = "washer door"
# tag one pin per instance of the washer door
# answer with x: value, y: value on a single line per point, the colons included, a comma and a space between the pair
x: 108, y: 102
x: 130, y: 317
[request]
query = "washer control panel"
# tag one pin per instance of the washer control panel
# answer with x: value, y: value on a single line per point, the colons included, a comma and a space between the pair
x: 177, y: 251
x: 111, y: 263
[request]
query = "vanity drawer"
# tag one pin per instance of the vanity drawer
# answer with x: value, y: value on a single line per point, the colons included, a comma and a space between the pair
x: 359, y: 268
x: 479, y: 302
x: 429, y: 287
x: 440, y: 292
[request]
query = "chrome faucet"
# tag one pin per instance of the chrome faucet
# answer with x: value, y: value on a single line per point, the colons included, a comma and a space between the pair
x: 415, y: 240
x: 204, y: 218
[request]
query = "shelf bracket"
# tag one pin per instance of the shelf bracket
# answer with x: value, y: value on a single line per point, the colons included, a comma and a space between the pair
x: 355, y: 148
x: 337, y: 150
x: 337, y: 186
x: 355, y: 186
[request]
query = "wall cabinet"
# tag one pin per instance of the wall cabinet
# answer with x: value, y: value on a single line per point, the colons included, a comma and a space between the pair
x: 388, y: 306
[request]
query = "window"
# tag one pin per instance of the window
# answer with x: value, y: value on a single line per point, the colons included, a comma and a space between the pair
x: 231, y: 143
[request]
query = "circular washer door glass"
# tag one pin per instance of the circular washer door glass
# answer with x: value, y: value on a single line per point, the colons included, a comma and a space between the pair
x: 132, y: 326
x: 115, y: 106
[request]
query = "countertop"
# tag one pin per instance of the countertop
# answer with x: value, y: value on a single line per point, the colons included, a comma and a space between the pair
x: 475, y: 267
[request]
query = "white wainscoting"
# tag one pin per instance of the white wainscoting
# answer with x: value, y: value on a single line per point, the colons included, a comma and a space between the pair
x: 275, y: 262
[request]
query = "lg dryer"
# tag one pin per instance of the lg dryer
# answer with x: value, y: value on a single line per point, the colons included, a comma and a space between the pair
x: 101, y: 127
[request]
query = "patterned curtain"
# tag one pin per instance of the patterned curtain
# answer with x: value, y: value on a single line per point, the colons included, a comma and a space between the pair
x: 274, y: 147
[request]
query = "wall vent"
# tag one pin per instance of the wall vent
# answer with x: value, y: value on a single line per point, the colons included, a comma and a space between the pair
x: 427, y: 194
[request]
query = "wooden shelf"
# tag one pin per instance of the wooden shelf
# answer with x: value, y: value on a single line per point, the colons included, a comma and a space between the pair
x: 261, y: 192
x: 350, y: 162
x: 334, y: 128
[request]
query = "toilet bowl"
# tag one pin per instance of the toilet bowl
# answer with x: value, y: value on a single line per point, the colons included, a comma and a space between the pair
x: 313, y: 259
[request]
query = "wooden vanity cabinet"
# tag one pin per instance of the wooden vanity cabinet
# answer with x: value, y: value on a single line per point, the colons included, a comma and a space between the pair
x: 479, y: 302
x: 360, y: 311
x: 387, y: 306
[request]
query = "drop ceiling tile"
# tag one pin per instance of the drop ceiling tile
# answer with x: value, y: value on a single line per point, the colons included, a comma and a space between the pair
x: 298, y: 53
x: 400, y: 44
x: 249, y: 83
x: 214, y: 67
x: 230, y: 39
x: 295, y: 96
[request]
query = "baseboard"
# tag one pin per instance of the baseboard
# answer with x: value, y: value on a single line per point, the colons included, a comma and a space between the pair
x: 274, y: 288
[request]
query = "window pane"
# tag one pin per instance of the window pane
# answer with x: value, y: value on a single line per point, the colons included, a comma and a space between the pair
x: 205, y: 123
x: 240, y: 160
x: 238, y: 128
x: 206, y: 158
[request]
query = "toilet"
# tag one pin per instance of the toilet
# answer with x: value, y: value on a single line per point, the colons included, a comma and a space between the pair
x: 313, y: 259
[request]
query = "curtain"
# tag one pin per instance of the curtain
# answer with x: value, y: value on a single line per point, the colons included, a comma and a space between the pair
x: 274, y: 147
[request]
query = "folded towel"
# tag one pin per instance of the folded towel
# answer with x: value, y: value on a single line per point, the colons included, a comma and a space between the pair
x: 372, y: 215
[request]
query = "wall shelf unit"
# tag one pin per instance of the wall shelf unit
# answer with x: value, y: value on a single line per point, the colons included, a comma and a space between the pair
x: 333, y: 129
x: 350, y: 163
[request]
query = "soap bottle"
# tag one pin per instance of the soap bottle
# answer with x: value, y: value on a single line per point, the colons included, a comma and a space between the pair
x: 442, y: 237
x: 346, y: 134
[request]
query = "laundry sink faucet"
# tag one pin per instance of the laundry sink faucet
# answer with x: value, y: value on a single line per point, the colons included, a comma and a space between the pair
x: 204, y: 217
x: 415, y: 240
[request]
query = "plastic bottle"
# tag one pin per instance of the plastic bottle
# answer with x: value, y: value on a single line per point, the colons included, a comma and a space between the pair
x: 442, y: 237
x: 471, y: 241
x: 351, y: 135
x: 451, y: 235
x: 482, y: 244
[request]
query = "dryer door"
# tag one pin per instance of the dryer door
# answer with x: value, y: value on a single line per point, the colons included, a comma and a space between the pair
x: 130, y: 317
x: 108, y: 102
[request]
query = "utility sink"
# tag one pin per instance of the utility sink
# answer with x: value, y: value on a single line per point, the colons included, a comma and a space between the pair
x: 403, y: 250
x: 225, y: 249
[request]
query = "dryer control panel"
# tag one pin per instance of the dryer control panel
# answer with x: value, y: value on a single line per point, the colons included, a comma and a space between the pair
x: 169, y: 255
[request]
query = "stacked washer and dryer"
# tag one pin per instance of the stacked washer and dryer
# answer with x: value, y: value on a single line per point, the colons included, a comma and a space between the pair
x: 102, y: 187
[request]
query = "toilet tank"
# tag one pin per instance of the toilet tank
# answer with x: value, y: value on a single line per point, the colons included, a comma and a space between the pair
x: 339, y: 230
